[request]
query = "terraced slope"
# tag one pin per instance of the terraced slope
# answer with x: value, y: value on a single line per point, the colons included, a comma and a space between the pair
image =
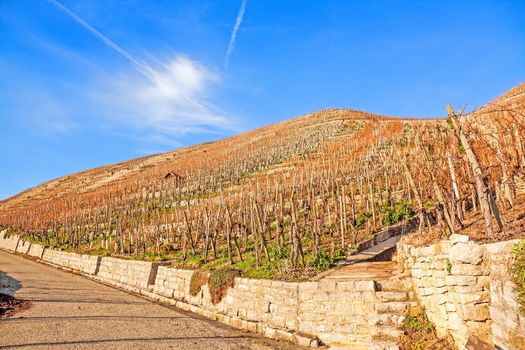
x: 289, y: 199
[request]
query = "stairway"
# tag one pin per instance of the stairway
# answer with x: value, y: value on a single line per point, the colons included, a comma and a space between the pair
x: 396, y: 299
x: 393, y: 294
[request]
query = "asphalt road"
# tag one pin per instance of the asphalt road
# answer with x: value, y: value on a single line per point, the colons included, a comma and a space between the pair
x: 72, y: 312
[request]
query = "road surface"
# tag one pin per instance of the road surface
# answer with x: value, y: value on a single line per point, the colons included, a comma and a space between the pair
x: 72, y: 312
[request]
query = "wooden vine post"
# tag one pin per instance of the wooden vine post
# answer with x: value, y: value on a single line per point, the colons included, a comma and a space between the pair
x: 481, y: 188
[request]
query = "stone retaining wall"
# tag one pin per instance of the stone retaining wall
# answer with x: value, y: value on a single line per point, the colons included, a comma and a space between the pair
x: 335, y: 312
x: 77, y: 262
x: 508, y: 327
x: 466, y: 290
x: 140, y: 274
x: 304, y: 313
x: 36, y: 251
x: 8, y: 243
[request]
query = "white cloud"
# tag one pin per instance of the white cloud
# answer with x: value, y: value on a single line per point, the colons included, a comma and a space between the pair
x: 176, y: 101
x: 170, y: 99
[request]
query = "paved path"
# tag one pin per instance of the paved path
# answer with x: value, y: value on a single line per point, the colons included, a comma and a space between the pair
x: 364, y: 271
x: 73, y: 312
x: 361, y: 266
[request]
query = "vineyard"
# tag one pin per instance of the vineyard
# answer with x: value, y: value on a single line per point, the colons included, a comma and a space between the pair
x: 288, y: 200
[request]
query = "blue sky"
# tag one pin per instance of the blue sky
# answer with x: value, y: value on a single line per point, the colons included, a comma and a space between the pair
x: 91, y: 82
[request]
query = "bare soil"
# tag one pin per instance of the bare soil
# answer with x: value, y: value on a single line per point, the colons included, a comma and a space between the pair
x: 473, y: 226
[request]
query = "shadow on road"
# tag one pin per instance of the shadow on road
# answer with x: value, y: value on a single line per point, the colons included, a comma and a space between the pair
x: 9, y: 305
x: 8, y: 285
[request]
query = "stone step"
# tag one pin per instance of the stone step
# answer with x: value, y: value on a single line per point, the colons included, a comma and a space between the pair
x: 398, y: 271
x: 393, y: 296
x: 393, y: 307
x: 389, y: 320
x: 394, y: 284
x: 388, y: 332
x: 384, y: 345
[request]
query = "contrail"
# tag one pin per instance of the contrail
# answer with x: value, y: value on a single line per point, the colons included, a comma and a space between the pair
x: 235, y: 29
x: 141, y: 67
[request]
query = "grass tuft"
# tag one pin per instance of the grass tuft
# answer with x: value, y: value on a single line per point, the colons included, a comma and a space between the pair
x: 219, y: 281
x: 198, y: 279
x: 420, y: 333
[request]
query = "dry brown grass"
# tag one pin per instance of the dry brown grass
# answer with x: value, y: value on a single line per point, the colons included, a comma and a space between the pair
x: 219, y: 282
x: 198, y: 279
x: 420, y: 334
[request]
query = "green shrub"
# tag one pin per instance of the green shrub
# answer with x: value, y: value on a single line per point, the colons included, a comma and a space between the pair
x: 450, y: 123
x: 361, y: 218
x: 418, y: 322
x: 518, y: 273
x: 215, y: 263
x: 264, y: 272
x: 245, y: 265
x: 339, y: 254
x: 219, y: 282
x: 401, y: 211
x: 323, y: 260
x: 10, y: 231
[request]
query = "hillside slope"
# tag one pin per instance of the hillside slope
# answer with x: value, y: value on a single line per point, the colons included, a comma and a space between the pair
x: 291, y: 197
x: 256, y: 149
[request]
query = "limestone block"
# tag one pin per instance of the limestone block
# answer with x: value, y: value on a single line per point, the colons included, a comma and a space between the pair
x: 483, y: 281
x: 309, y: 286
x: 466, y: 253
x: 469, y: 298
x: 427, y: 252
x: 440, y: 299
x: 367, y: 297
x: 482, y: 330
x: 426, y: 291
x: 499, y: 270
x: 508, y: 295
x: 320, y: 297
x: 495, y: 250
x: 439, y: 264
x: 456, y: 238
x: 354, y: 318
x: 327, y: 285
x: 451, y: 307
x: 439, y: 311
x: 452, y: 280
x: 474, y: 312
x: 443, y: 246
x: 468, y: 270
x: 454, y: 321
